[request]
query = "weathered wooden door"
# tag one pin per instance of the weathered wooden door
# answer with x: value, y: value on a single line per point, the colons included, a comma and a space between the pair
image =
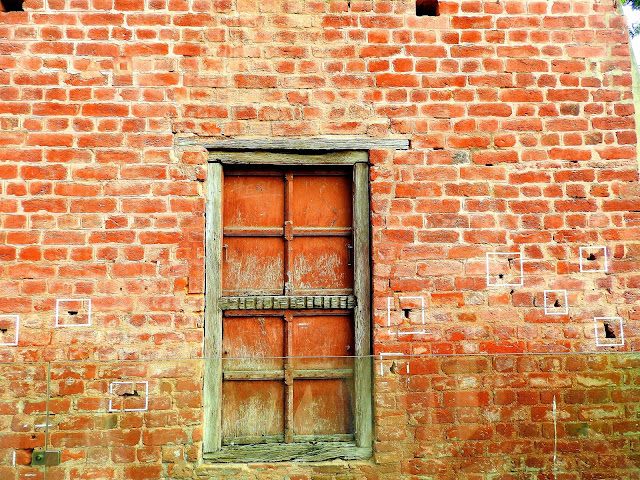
x: 287, y: 289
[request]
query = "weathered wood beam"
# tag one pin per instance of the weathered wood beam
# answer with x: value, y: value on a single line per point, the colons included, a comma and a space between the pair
x: 324, y: 143
x: 279, y: 452
x: 213, y: 313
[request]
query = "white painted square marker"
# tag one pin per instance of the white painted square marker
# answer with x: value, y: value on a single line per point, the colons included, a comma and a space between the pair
x: 76, y: 309
x: 500, y: 272
x: 551, y: 297
x: 613, y: 331
x: 597, y: 255
x: 387, y: 354
x: 132, y: 391
x: 9, y: 338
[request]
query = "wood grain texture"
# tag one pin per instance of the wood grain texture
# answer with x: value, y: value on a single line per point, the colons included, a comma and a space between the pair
x: 271, y: 158
x: 254, y: 440
x: 326, y: 143
x: 279, y: 452
x: 362, y: 291
x: 213, y: 313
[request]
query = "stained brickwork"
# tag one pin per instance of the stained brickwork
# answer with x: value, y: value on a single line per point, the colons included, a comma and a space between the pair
x: 520, y: 118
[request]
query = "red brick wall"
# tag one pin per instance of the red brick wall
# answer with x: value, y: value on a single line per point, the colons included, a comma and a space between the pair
x: 520, y: 117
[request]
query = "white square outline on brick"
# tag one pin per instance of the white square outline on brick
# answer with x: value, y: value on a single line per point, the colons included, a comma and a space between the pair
x: 133, y: 384
x: 17, y: 334
x: 59, y: 300
x: 517, y: 254
x: 547, y: 309
x: 606, y: 264
x: 599, y: 320
x: 390, y: 301
x: 387, y: 354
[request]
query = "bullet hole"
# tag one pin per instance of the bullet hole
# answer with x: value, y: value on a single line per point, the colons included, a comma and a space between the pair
x: 556, y: 303
x: 427, y: 8
x: 11, y: 6
x: 406, y: 312
x: 127, y: 394
x: 591, y: 257
x: 72, y: 312
x: 4, y: 330
x: 500, y: 275
x: 608, y: 331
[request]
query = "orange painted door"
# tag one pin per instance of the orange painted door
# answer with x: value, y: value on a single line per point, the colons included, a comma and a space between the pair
x: 287, y: 373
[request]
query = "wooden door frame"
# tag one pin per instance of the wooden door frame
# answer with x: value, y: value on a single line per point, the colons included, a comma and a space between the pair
x: 358, y: 160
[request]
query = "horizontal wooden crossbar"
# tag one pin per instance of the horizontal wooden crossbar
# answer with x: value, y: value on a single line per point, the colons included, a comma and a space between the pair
x: 325, y: 143
x: 268, y: 302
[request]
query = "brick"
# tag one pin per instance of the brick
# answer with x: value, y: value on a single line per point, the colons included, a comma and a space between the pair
x: 490, y: 109
x: 396, y: 80
x: 498, y: 156
x: 93, y: 205
x: 255, y: 81
x: 105, y: 110
x: 112, y: 237
x: 481, y: 22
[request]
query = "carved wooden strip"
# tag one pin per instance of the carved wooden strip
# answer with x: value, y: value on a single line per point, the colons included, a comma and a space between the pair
x: 300, y: 302
x: 326, y: 302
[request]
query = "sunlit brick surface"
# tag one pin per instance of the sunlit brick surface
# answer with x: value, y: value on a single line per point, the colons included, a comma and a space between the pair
x: 522, y: 151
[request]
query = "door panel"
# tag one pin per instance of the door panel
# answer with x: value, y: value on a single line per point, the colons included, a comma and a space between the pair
x: 245, y: 340
x: 323, y: 336
x: 322, y: 407
x: 322, y: 201
x: 322, y: 263
x: 252, y: 265
x: 245, y: 198
x: 252, y: 408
